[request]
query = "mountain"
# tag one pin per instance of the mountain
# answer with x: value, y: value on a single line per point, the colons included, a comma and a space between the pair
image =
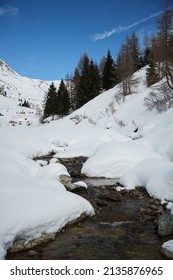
x: 23, y: 88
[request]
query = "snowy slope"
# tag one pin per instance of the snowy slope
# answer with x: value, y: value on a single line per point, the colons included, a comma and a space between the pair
x: 32, y: 198
x: 19, y: 87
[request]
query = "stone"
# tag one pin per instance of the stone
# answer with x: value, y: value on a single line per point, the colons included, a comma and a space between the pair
x: 32, y: 253
x: 101, y: 202
x: 20, y: 245
x: 111, y: 196
x: 165, y: 225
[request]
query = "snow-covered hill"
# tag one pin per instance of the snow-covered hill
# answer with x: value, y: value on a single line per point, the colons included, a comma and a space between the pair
x: 15, y: 90
x: 122, y: 141
x: 19, y: 87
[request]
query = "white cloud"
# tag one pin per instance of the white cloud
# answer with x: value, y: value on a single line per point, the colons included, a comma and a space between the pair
x: 9, y: 11
x: 120, y: 29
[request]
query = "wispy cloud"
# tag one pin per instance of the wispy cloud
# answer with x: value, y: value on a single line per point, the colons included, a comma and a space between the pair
x: 9, y: 11
x: 120, y: 29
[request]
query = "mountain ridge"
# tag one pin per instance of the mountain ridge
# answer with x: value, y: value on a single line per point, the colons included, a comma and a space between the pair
x: 23, y: 88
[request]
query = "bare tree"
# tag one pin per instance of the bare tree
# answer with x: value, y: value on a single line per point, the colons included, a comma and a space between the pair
x: 126, y: 66
x: 160, y: 99
x: 165, y: 43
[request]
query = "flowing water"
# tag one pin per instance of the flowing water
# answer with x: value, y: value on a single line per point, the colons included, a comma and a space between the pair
x: 123, y: 228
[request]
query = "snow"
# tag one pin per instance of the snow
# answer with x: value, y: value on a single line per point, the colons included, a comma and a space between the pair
x: 118, y: 158
x: 81, y: 184
x: 19, y: 87
x: 155, y: 174
x: 168, y: 246
x: 32, y: 199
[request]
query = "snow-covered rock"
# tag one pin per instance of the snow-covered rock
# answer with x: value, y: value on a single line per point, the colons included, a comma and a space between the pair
x: 167, y: 249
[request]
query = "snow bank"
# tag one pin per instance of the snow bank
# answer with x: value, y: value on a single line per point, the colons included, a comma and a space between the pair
x: 113, y: 159
x: 155, y: 174
x: 32, y: 201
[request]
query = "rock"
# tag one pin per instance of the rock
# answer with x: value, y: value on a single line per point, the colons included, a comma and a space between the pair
x: 73, y: 173
x: 138, y: 194
x: 154, y: 206
x: 32, y: 253
x: 66, y: 181
x: 111, y: 196
x: 101, y: 202
x: 78, y: 189
x: 145, y: 211
x: 165, y: 225
x: 154, y: 201
x: 20, y: 245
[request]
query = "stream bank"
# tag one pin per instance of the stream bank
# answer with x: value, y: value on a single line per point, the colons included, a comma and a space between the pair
x: 124, y: 226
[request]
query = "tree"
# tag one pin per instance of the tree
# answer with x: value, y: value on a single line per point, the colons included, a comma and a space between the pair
x: 2, y: 91
x: 95, y: 81
x: 125, y: 70
x: 165, y: 43
x: 108, y: 74
x: 63, y: 102
x: 74, y: 88
x: 152, y: 76
x: 87, y: 82
x: 83, y: 86
x: 135, y: 54
x: 50, y: 108
x: 25, y: 104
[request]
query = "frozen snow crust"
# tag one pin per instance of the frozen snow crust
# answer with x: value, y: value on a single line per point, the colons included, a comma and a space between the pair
x: 32, y: 199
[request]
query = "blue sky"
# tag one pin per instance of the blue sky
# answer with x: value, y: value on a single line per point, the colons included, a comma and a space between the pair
x: 44, y: 39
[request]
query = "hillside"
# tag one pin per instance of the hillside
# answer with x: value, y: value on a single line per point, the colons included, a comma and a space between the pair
x: 19, y: 87
x: 123, y: 141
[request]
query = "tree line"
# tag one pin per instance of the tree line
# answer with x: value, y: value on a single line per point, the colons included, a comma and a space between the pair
x: 90, y: 79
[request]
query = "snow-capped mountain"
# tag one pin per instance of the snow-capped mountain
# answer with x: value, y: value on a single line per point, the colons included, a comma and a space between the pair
x: 22, y: 88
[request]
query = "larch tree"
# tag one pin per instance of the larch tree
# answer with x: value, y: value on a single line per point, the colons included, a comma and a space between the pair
x: 165, y: 43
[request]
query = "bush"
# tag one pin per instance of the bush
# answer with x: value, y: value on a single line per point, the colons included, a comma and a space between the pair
x: 161, y: 100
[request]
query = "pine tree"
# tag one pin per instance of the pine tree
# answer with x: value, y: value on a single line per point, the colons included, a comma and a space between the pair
x: 147, y: 53
x: 108, y: 75
x: 83, y: 90
x: 87, y: 81
x: 63, y: 102
x: 50, y: 102
x: 94, y: 81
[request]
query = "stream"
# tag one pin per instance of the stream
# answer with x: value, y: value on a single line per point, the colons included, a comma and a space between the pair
x: 124, y: 226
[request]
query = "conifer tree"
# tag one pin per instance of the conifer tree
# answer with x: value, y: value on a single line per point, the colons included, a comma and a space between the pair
x: 83, y: 90
x: 87, y: 81
x: 108, y: 75
x: 63, y: 102
x: 94, y: 81
x: 50, y: 102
